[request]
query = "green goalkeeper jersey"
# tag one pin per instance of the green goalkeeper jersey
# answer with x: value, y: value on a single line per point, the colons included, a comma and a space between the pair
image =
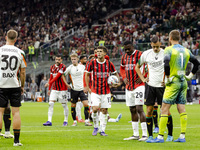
x: 179, y: 57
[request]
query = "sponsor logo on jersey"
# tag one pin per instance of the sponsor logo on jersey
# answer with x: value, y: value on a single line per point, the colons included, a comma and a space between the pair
x: 8, y: 75
x: 129, y: 66
x: 102, y: 74
x: 156, y: 64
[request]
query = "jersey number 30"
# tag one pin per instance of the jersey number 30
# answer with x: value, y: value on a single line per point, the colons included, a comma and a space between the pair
x: 10, y: 62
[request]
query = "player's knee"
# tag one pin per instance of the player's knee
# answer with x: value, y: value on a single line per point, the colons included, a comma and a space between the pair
x: 64, y: 104
x: 73, y: 105
x: 140, y: 109
x: 7, y: 111
x: 51, y: 104
x: 149, y: 113
x: 132, y: 109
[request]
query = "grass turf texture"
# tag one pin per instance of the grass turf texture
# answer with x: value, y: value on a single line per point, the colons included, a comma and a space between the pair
x: 36, y: 136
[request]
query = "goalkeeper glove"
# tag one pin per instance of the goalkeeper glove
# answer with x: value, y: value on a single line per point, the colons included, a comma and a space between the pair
x: 189, y: 77
x: 168, y: 80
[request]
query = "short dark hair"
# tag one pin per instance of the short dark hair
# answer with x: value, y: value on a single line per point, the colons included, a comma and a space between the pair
x: 128, y: 42
x: 155, y: 39
x: 82, y: 56
x: 58, y: 55
x: 103, y: 48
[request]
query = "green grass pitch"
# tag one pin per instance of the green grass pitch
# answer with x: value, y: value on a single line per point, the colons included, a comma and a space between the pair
x: 34, y: 136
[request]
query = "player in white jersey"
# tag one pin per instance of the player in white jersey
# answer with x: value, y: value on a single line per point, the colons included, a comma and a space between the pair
x: 12, y: 64
x: 154, y: 88
x: 79, y: 104
x: 76, y: 71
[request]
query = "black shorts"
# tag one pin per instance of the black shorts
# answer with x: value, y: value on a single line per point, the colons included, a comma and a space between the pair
x: 77, y: 94
x: 12, y: 94
x: 153, y: 94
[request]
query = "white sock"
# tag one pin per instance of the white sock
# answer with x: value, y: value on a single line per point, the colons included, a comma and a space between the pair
x: 95, y: 118
x: 135, y: 128
x: 90, y: 109
x: 50, y: 112
x: 103, y: 122
x: 66, y: 112
x: 160, y: 137
x: 182, y: 136
x: 111, y: 120
x: 7, y: 132
x: 78, y: 110
x: 144, y: 128
x: 100, y: 118
x: 87, y: 120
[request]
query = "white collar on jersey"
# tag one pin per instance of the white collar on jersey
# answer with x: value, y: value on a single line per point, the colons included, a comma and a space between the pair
x: 133, y: 52
x: 57, y: 66
x: 101, y: 62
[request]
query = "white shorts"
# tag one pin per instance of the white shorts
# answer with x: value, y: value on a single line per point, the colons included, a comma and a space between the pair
x: 61, y: 96
x: 89, y: 99
x: 103, y: 100
x: 135, y: 97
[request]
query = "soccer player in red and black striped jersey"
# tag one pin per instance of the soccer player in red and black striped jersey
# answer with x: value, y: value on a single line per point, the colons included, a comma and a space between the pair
x: 100, y: 91
x: 59, y: 90
x: 134, y: 90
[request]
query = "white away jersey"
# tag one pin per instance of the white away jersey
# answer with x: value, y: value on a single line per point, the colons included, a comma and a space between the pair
x: 155, y: 62
x: 76, y: 73
x: 11, y: 59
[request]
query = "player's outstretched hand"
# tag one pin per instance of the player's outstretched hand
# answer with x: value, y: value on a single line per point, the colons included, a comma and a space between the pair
x: 46, y: 85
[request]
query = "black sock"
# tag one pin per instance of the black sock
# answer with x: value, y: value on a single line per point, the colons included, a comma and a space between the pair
x: 86, y: 112
x: 16, y: 135
x: 73, y: 112
x: 170, y: 125
x: 7, y: 121
x: 149, y: 122
x: 155, y: 116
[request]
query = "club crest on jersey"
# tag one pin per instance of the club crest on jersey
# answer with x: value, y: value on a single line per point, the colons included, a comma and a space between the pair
x: 8, y: 75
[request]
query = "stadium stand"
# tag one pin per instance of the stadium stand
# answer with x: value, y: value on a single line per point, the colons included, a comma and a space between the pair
x: 41, y: 24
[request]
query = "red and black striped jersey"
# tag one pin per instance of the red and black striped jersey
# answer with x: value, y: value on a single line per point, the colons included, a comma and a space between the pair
x: 100, y: 71
x: 59, y: 84
x: 128, y: 62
